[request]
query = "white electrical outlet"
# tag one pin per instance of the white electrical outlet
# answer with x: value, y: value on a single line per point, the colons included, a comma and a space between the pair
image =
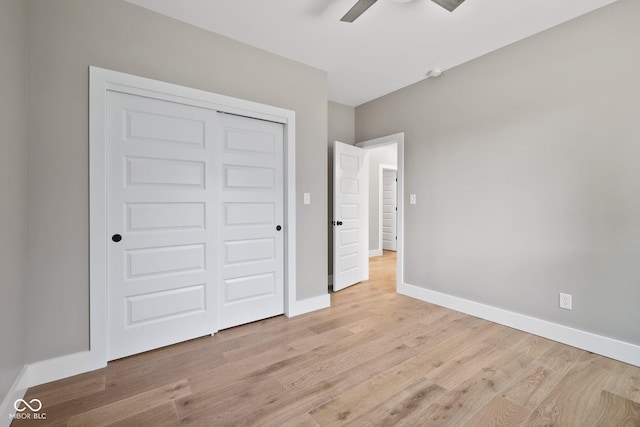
x: 565, y: 301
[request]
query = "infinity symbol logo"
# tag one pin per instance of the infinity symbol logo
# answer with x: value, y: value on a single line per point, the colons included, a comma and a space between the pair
x: 37, y: 405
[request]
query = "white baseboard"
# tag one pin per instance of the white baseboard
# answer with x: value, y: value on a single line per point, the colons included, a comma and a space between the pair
x: 375, y: 252
x: 17, y: 391
x: 310, y: 304
x: 61, y: 367
x: 605, y: 346
x: 85, y: 361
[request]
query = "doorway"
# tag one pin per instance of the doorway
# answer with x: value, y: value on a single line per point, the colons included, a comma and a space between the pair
x: 370, y: 206
x: 386, y: 154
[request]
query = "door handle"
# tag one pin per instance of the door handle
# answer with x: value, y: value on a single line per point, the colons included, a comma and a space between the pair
x: 278, y: 227
x: 339, y: 223
x: 116, y: 238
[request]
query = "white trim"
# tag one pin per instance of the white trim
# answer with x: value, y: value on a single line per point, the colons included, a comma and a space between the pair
x: 375, y: 252
x: 101, y: 81
x: 290, y: 301
x: 397, y: 138
x: 310, y: 304
x: 17, y: 391
x: 382, y: 141
x: 61, y: 367
x: 364, y: 234
x: 381, y: 170
x: 609, y: 347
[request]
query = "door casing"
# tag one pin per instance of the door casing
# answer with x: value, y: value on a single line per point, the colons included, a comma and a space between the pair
x: 100, y: 82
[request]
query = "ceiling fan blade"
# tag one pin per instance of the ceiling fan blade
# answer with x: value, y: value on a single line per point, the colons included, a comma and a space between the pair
x: 450, y: 5
x: 357, y: 10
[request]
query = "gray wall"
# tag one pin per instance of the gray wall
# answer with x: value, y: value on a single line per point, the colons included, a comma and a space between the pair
x: 387, y: 155
x: 341, y: 121
x: 13, y: 186
x: 526, y: 166
x: 66, y: 36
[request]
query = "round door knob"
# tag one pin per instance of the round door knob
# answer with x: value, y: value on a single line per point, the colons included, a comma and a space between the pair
x: 278, y: 227
x: 116, y: 238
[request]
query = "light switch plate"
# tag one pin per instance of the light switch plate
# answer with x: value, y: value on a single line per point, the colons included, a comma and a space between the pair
x: 412, y: 199
x: 307, y: 198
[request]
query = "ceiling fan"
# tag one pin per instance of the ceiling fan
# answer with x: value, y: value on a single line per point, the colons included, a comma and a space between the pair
x: 362, y: 5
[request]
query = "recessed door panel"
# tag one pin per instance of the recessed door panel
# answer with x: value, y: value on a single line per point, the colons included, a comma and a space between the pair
x: 240, y: 214
x: 349, y: 237
x: 349, y: 262
x: 166, y: 260
x: 253, y: 142
x: 164, y: 172
x: 350, y: 211
x: 165, y: 216
x: 350, y: 162
x: 249, y: 177
x: 249, y: 250
x: 250, y: 287
x: 349, y: 186
x: 162, y: 128
x: 164, y: 305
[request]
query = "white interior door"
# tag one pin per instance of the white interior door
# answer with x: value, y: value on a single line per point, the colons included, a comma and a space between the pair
x: 389, y: 209
x: 251, y: 220
x: 350, y: 216
x: 161, y: 220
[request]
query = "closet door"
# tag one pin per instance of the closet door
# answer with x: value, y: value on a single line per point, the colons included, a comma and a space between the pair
x: 161, y: 220
x: 251, y: 220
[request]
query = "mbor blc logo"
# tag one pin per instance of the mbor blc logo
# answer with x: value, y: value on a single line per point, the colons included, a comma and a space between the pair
x: 28, y: 410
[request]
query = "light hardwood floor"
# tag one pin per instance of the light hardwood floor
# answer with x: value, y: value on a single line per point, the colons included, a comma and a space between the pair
x: 374, y: 358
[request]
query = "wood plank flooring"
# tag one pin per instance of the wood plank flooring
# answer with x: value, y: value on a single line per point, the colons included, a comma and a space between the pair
x: 374, y: 358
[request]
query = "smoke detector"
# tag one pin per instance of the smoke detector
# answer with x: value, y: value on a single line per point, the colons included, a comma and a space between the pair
x: 434, y: 72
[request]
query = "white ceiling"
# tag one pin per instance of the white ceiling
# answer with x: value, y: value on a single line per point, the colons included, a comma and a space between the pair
x: 390, y: 46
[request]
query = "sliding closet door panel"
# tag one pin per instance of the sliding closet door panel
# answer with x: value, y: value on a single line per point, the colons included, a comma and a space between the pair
x: 161, y: 197
x: 251, y: 251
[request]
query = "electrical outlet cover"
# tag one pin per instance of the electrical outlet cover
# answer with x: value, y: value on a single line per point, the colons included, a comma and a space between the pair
x: 565, y: 301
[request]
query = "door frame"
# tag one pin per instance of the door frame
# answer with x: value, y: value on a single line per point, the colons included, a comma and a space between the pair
x: 397, y: 138
x: 100, y: 82
x: 381, y: 170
